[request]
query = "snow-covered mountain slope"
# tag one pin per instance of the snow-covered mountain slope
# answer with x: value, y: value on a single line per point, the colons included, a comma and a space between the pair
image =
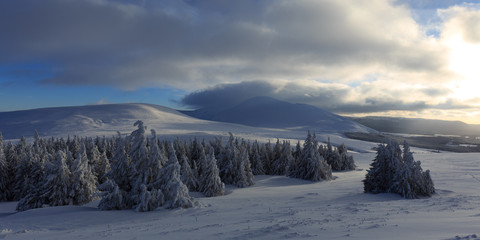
x: 98, y: 120
x: 278, y: 207
x: 273, y: 113
x: 106, y: 120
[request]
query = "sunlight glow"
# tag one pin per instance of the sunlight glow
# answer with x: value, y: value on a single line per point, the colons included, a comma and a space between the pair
x: 464, y: 60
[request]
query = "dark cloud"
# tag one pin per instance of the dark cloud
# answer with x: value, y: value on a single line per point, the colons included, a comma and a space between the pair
x: 227, y: 95
x: 192, y: 44
x: 328, y: 96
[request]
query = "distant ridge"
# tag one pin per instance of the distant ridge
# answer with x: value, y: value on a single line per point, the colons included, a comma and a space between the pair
x: 419, y: 126
x: 272, y: 113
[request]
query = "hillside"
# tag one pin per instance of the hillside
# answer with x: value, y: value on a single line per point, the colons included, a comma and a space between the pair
x: 107, y: 119
x: 272, y: 113
x: 419, y: 126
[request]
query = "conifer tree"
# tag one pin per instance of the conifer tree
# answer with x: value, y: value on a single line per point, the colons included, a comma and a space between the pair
x: 393, y: 173
x: 55, y: 189
x: 244, y: 176
x: 155, y: 160
x: 175, y: 193
x: 22, y: 171
x: 186, y: 174
x: 256, y: 160
x: 211, y: 184
x: 102, y: 168
x: 311, y: 165
x: 119, y: 172
x: 138, y: 157
x: 4, y: 173
x: 113, y: 198
x: 84, y: 181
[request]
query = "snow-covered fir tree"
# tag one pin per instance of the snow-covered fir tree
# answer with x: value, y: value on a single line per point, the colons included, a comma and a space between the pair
x: 347, y: 162
x: 256, y: 160
x: 284, y: 157
x: 380, y: 176
x: 227, y: 164
x: 84, y: 181
x: 150, y: 199
x: 155, y: 160
x: 267, y: 155
x: 396, y: 173
x: 244, y: 176
x: 312, y: 166
x: 138, y: 159
x: 113, y: 198
x: 188, y: 177
x: 175, y: 193
x: 22, y: 171
x: 55, y: 189
x: 4, y: 173
x: 102, y: 168
x: 210, y: 183
x: 337, y: 158
x: 119, y: 172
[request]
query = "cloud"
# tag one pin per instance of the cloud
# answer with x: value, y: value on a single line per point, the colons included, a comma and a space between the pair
x: 191, y: 45
x: 462, y: 20
x: 338, y: 98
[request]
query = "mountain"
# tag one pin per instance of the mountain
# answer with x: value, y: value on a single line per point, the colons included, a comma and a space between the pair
x: 419, y: 126
x: 272, y: 113
x: 99, y: 120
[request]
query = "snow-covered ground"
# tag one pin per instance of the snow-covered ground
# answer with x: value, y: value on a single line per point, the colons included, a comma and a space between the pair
x: 275, y: 207
x: 278, y: 207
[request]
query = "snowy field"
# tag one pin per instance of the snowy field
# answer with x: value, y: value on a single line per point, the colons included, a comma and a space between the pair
x: 275, y: 207
x: 283, y: 208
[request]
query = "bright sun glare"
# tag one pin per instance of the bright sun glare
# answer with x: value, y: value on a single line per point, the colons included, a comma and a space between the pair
x: 465, y: 61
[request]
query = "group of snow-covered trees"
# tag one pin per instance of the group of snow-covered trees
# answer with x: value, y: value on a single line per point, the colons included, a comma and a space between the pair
x: 143, y: 173
x: 395, y: 171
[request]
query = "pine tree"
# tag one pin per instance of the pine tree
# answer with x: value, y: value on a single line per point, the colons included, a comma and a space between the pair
x: 155, y: 160
x: 256, y: 160
x: 174, y: 191
x: 347, y: 162
x: 120, y: 169
x: 22, y: 172
x: 149, y: 199
x: 103, y: 167
x: 294, y: 164
x: 55, y: 189
x: 284, y: 158
x: 228, y: 171
x: 113, y: 198
x: 211, y: 184
x: 244, y: 177
x: 138, y: 158
x: 4, y: 173
x: 84, y: 181
x: 393, y: 173
x: 312, y: 166
x: 186, y: 174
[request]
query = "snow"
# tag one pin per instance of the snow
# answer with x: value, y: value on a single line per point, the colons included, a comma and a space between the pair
x: 278, y: 207
x: 106, y: 120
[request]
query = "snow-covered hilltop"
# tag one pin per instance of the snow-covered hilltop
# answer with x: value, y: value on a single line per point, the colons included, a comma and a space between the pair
x: 96, y: 120
x: 273, y: 113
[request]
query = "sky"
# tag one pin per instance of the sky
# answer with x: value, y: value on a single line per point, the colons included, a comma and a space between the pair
x: 402, y: 58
